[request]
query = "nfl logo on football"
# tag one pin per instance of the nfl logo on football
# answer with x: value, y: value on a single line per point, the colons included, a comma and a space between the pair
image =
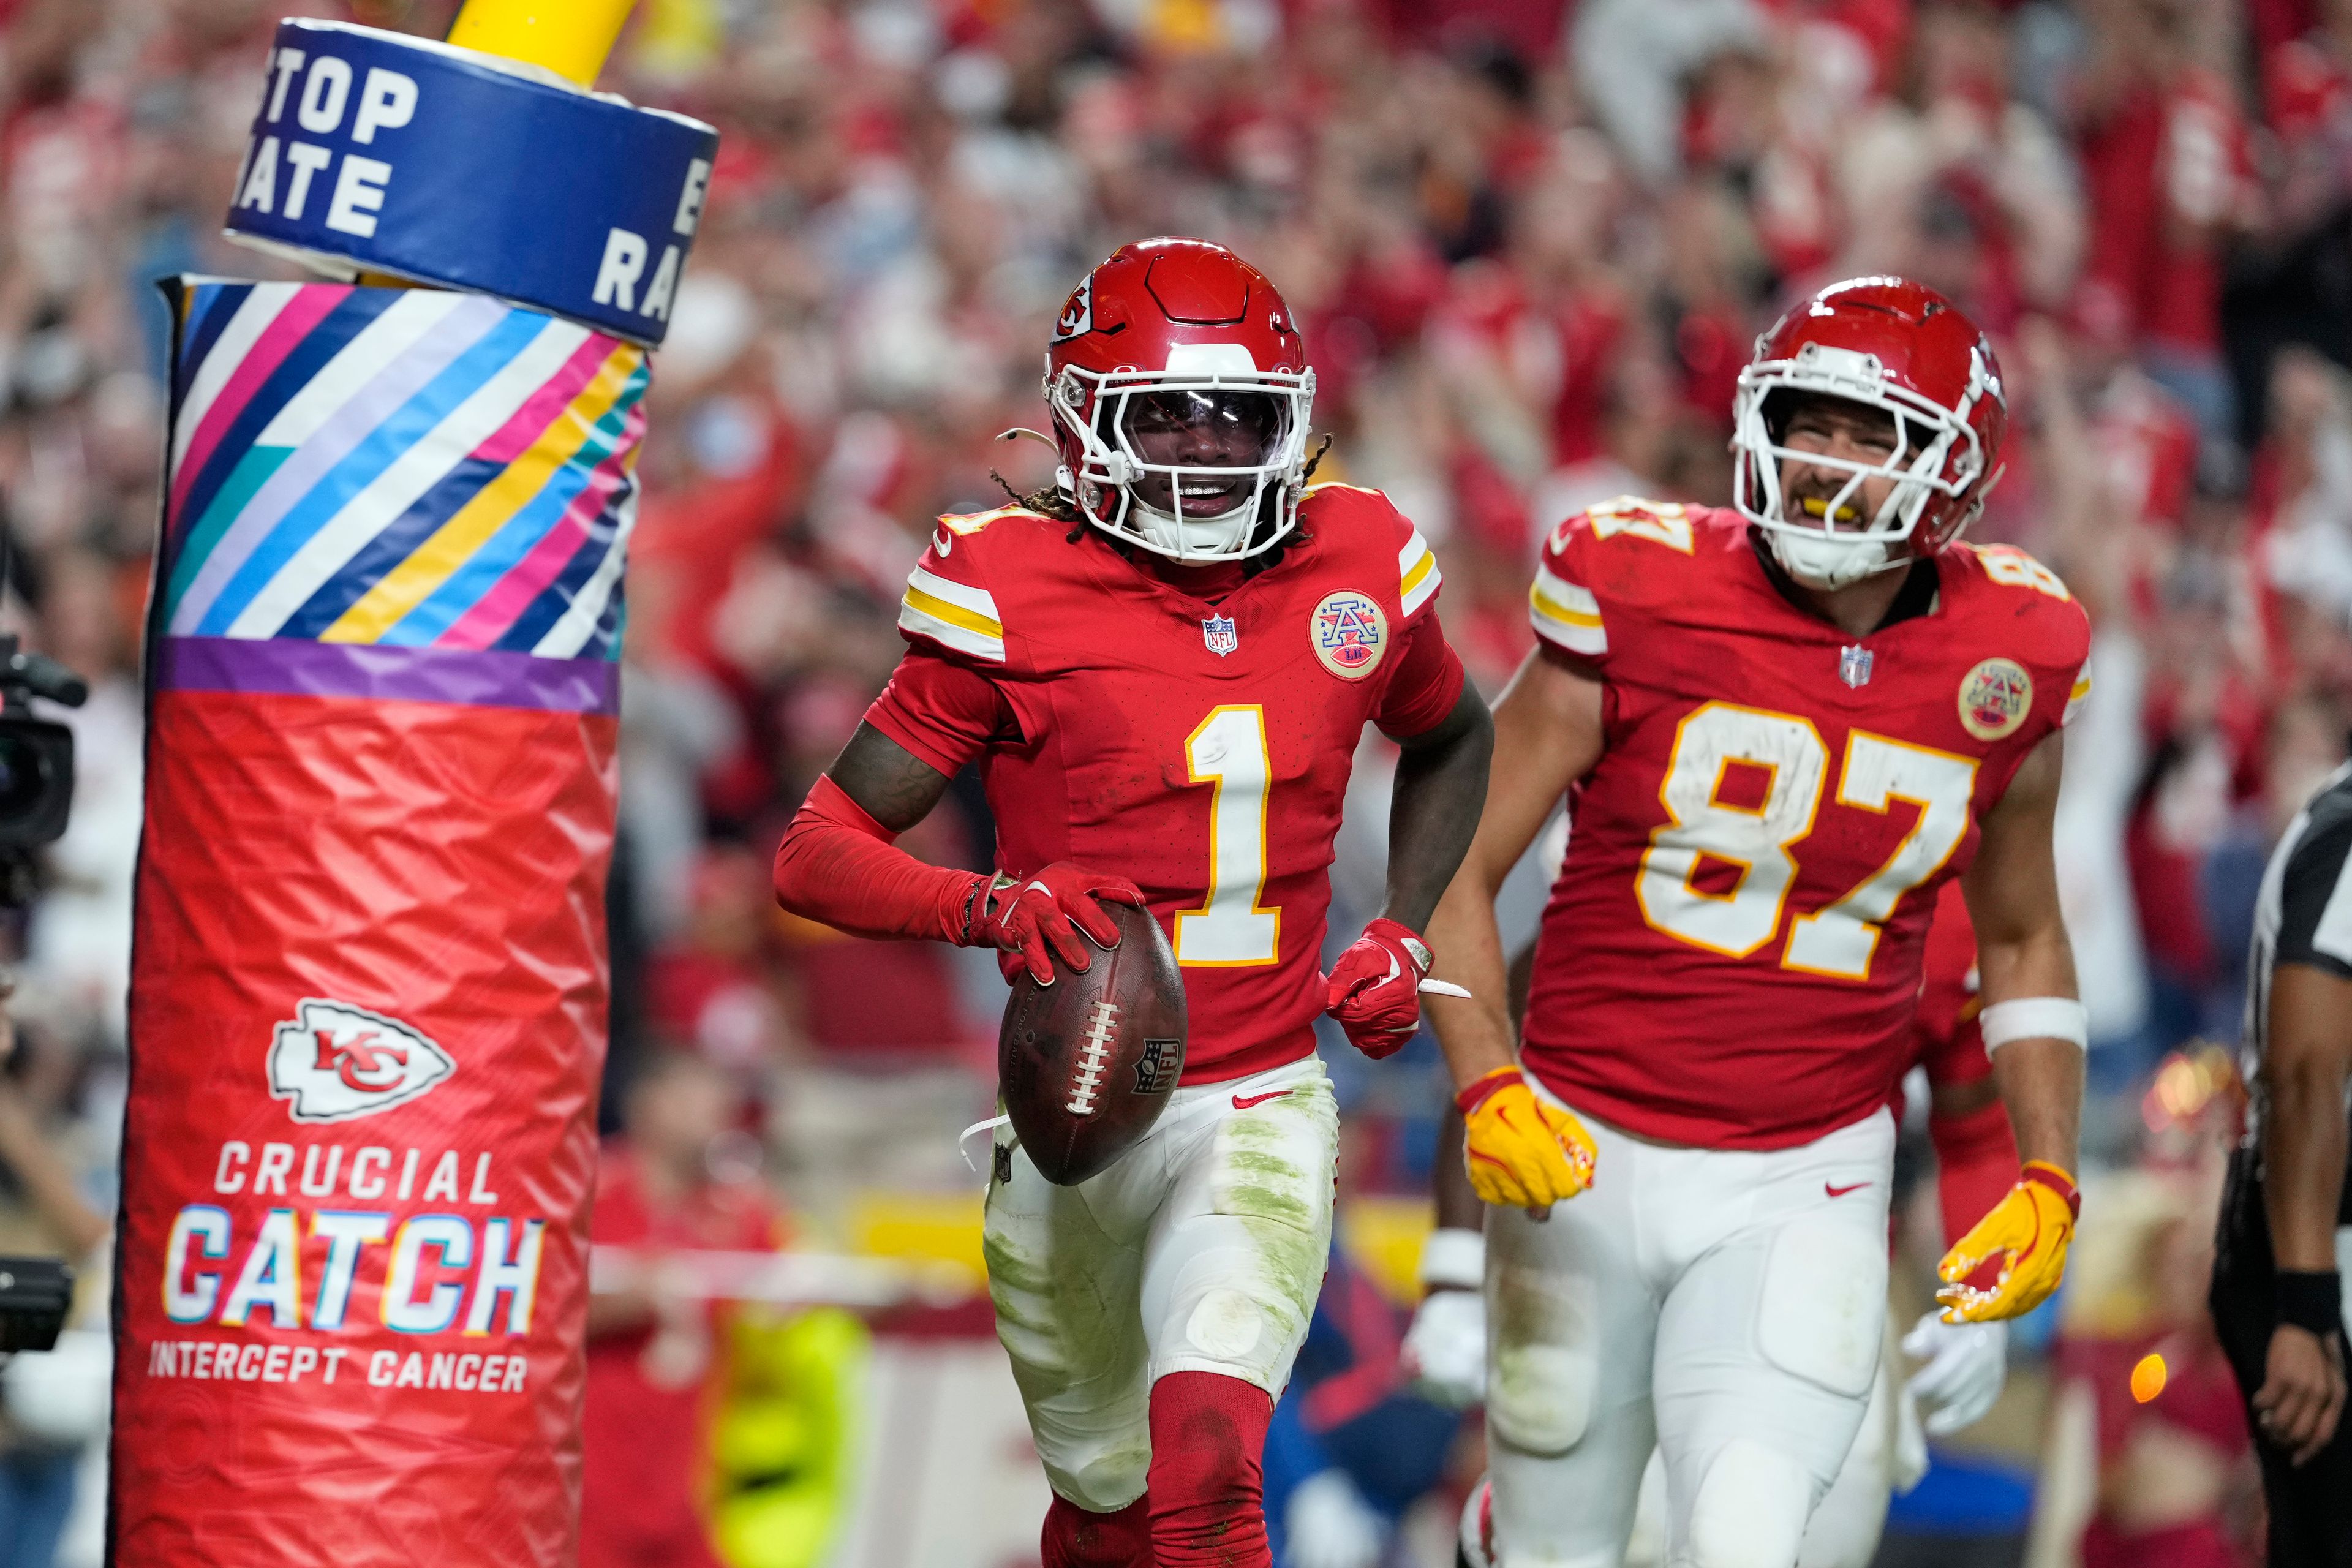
x: 1155, y: 1070
x: 1221, y: 635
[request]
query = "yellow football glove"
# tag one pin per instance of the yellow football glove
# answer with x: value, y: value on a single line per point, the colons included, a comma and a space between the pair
x: 1520, y: 1151
x: 2012, y: 1258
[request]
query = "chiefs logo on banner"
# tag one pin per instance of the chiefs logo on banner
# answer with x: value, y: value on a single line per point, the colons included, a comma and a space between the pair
x: 337, y: 1062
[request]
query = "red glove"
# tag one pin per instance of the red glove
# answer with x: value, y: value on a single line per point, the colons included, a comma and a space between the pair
x: 1375, y: 988
x: 1040, y: 917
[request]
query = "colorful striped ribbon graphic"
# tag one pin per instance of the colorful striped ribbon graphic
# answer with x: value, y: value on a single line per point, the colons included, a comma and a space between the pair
x: 400, y: 468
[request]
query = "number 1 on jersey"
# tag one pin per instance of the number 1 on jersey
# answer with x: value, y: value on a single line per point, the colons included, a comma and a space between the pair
x: 1228, y: 749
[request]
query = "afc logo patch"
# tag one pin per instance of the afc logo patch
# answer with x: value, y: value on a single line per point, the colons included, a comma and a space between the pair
x: 337, y: 1063
x: 1995, y: 697
x: 1078, y: 317
x: 1349, y: 634
x: 1155, y: 1069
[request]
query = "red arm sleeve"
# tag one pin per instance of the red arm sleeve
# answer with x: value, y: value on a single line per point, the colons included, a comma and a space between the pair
x: 1426, y: 684
x: 942, y: 711
x: 1976, y: 1165
x: 1975, y: 1153
x: 838, y: 865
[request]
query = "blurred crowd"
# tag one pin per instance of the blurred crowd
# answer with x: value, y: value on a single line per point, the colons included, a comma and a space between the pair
x: 1531, y: 241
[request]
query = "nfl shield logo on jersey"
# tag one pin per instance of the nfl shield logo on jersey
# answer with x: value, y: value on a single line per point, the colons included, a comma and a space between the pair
x: 1854, y: 664
x: 1219, y: 633
x: 1994, y: 699
x: 1349, y: 634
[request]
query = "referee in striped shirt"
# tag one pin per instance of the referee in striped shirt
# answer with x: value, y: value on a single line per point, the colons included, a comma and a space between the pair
x: 2278, y: 1273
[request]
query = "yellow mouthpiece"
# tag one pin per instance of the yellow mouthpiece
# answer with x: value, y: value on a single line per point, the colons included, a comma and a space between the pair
x: 1816, y: 507
x: 570, y: 37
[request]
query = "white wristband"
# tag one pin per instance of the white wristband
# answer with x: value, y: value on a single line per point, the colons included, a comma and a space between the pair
x: 2034, y: 1018
x: 1453, y: 1260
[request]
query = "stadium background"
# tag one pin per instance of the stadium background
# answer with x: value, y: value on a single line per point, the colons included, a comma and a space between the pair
x: 1532, y: 242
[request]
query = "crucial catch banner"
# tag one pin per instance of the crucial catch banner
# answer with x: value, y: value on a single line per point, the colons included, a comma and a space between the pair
x: 369, y: 986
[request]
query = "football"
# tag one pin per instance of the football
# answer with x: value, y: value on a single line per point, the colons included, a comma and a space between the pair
x: 1087, y: 1064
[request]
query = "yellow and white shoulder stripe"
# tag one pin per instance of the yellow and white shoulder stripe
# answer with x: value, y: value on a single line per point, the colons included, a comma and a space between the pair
x: 964, y: 523
x: 1565, y: 614
x: 952, y: 614
x: 2075, y: 698
x: 1417, y: 574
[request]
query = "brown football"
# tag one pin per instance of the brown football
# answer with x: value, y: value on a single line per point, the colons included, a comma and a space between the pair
x: 1087, y: 1064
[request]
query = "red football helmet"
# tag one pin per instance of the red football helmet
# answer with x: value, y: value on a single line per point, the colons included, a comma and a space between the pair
x: 1892, y: 345
x: 1180, y: 394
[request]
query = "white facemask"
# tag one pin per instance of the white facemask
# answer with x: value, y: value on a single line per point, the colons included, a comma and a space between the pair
x: 1109, y: 471
x: 1827, y: 561
x: 1212, y: 538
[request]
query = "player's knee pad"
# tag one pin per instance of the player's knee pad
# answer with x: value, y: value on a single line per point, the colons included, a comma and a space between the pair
x: 1543, y: 1359
x: 1107, y: 1480
x: 1822, y: 1312
x: 1750, y: 1511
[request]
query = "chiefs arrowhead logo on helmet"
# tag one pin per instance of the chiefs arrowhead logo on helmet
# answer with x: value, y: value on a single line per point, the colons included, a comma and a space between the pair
x: 336, y: 1062
x: 1078, y: 317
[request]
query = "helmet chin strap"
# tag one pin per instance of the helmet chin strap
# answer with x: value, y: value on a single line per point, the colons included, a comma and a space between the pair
x: 1827, y: 562
x: 1184, y: 539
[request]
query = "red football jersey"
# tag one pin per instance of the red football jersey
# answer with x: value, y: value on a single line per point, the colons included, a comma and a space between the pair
x: 1731, y: 956
x: 1201, y: 748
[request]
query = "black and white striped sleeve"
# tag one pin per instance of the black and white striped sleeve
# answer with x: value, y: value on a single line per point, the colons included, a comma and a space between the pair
x: 2315, y: 900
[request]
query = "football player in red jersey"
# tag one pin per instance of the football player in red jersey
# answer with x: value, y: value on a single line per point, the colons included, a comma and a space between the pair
x: 1787, y: 725
x: 1163, y: 671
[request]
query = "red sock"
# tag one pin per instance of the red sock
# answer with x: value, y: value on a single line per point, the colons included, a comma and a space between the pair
x: 1076, y: 1539
x: 1208, y: 1478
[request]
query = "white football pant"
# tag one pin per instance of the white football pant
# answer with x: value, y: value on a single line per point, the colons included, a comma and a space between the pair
x: 1726, y: 1307
x: 1203, y: 1249
x: 1889, y: 1455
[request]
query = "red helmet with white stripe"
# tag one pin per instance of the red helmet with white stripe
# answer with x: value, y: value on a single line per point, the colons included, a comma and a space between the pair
x: 1180, y: 394
x: 1892, y: 345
